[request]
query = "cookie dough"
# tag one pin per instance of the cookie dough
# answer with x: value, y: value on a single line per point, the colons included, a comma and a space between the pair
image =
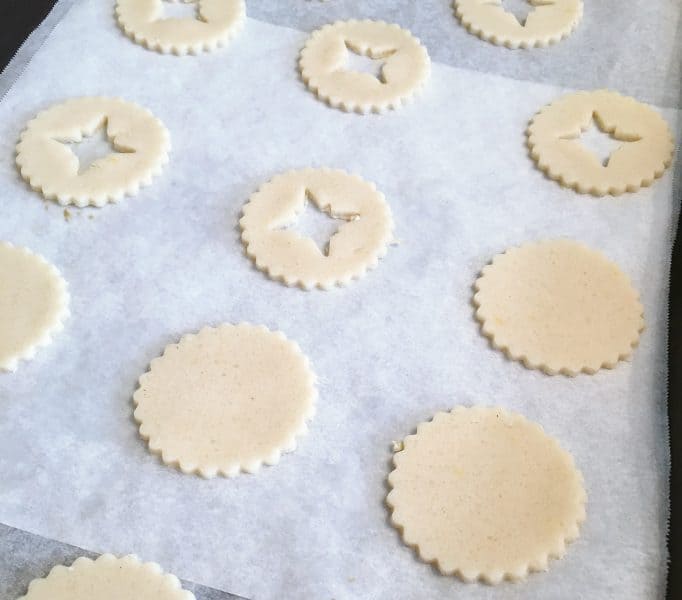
x: 323, y: 65
x: 558, y: 306
x: 549, y: 21
x: 284, y: 255
x: 49, y: 165
x: 485, y: 494
x: 33, y: 304
x: 554, y: 143
x: 107, y: 578
x: 219, y: 20
x: 226, y: 400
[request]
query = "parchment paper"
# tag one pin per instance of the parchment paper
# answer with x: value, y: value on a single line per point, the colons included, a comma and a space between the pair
x: 390, y: 350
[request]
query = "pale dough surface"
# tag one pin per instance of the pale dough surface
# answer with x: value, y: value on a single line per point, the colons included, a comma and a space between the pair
x: 547, y: 23
x: 226, y: 400
x: 50, y: 166
x: 554, y: 143
x: 284, y: 255
x: 33, y: 304
x: 142, y: 21
x: 324, y: 58
x: 485, y: 494
x: 558, y: 306
x: 107, y: 578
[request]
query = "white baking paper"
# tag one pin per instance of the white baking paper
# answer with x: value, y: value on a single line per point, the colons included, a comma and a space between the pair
x: 390, y: 349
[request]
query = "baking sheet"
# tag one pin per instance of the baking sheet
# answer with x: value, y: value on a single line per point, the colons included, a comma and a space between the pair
x: 389, y: 350
x: 22, y: 56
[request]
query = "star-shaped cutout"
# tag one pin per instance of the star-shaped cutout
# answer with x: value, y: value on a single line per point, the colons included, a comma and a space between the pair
x: 92, y: 147
x: 367, y: 62
x: 181, y: 9
x: 520, y: 9
x: 317, y: 224
x: 599, y: 141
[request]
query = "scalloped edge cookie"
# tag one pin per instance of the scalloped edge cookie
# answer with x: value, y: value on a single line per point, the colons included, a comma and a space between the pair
x: 136, y: 28
x: 417, y: 453
x: 280, y: 253
x: 492, y: 23
x: 553, y: 140
x: 116, y: 572
x: 59, y: 307
x: 58, y: 178
x: 150, y: 424
x: 532, y: 357
x: 405, y: 71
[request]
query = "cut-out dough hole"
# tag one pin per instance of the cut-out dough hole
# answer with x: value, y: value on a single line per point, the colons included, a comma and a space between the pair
x: 93, y: 147
x: 180, y: 9
x: 317, y: 224
x: 364, y: 62
x: 599, y: 141
x: 520, y: 23
x: 520, y: 9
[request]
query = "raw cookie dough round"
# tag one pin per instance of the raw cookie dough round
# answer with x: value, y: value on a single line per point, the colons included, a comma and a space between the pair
x: 549, y: 22
x: 554, y: 143
x: 107, y: 578
x: 33, y: 304
x: 485, y: 495
x: 219, y: 21
x: 323, y: 59
x: 284, y: 255
x: 225, y: 400
x: 48, y: 164
x: 559, y: 306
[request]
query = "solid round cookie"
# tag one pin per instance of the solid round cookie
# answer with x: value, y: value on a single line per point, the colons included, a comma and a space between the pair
x: 558, y: 306
x: 323, y: 61
x: 217, y: 22
x: 33, y: 304
x: 554, y: 143
x: 48, y: 164
x: 226, y: 400
x: 546, y: 24
x: 485, y: 494
x: 107, y: 578
x: 360, y: 241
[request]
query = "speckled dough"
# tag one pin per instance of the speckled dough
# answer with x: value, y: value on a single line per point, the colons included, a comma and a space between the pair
x: 107, y: 578
x: 33, y: 304
x: 324, y: 58
x: 284, y: 255
x: 485, y: 494
x: 554, y: 143
x: 558, y: 306
x: 219, y: 20
x: 50, y: 166
x: 226, y: 400
x: 547, y: 23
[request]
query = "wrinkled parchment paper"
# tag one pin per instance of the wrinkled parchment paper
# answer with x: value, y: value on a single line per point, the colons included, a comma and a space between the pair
x: 389, y: 350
